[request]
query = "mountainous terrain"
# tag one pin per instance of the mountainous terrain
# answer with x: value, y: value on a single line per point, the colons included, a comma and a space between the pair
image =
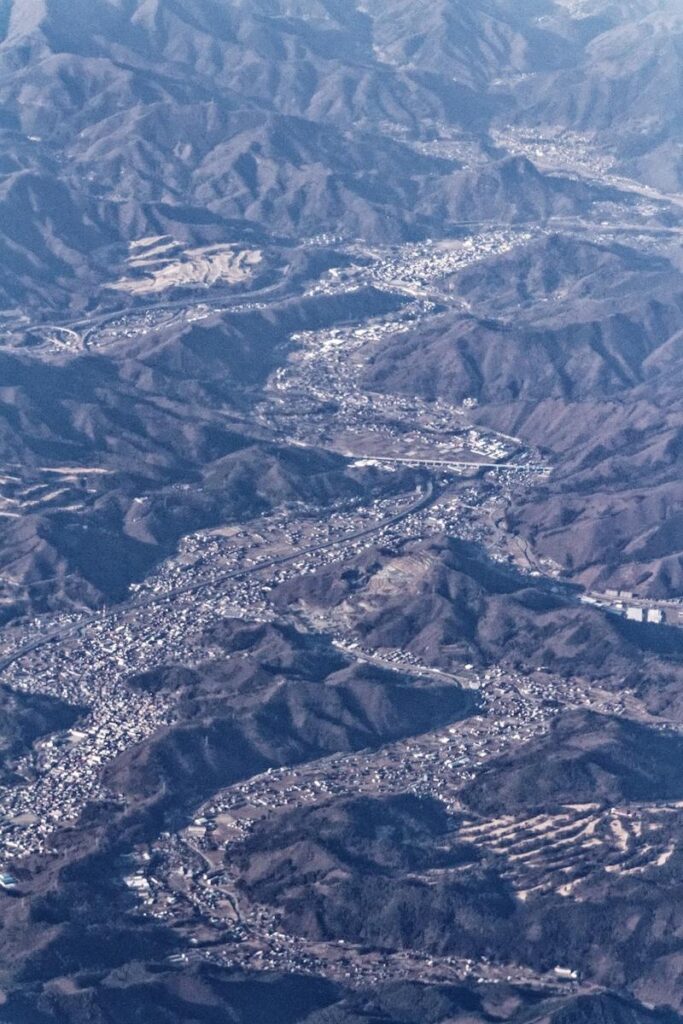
x: 341, y: 524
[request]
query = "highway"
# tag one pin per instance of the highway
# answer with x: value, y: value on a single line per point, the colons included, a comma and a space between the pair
x: 418, y: 462
x: 467, y: 680
x: 81, y: 331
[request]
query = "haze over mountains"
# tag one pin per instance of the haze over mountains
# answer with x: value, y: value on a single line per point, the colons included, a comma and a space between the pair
x: 341, y: 522
x: 202, y: 119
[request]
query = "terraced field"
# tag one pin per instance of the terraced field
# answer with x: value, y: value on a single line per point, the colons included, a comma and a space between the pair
x: 559, y: 852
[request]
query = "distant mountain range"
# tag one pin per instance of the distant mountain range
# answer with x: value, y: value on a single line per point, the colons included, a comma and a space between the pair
x: 122, y: 119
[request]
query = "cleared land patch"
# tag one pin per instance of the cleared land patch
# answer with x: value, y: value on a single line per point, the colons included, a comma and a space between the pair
x: 158, y: 264
x: 556, y: 852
